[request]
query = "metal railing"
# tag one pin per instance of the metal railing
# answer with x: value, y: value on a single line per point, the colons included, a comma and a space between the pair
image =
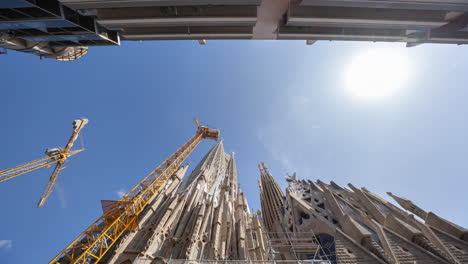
x: 301, y: 246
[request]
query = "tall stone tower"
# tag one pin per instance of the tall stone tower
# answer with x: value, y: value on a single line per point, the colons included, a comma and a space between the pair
x: 351, y: 225
x: 272, y: 199
x: 202, y: 216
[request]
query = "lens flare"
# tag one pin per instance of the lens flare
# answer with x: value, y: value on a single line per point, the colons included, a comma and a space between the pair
x: 376, y: 74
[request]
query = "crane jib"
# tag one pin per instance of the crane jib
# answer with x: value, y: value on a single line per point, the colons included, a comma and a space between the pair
x: 122, y: 216
x: 57, y: 157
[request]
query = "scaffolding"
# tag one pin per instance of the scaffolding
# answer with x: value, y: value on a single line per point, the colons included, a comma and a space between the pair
x: 305, y: 247
x: 297, y: 247
x: 185, y: 261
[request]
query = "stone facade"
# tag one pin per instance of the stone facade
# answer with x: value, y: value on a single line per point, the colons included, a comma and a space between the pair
x: 352, y: 225
x: 200, y: 217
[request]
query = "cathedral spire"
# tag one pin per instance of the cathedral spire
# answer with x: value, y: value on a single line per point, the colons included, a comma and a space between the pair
x: 409, y: 205
x: 271, y: 198
x: 207, y: 219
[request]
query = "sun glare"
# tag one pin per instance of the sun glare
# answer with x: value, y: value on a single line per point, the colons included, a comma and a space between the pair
x: 376, y: 74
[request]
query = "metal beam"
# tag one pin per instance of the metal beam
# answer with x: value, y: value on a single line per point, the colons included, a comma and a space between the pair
x: 188, y: 33
x: 89, y: 4
x: 446, y: 5
x: 178, y: 16
x: 181, y: 21
x: 364, y: 17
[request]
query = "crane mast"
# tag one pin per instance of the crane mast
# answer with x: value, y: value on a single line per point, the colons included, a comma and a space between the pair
x: 122, y: 216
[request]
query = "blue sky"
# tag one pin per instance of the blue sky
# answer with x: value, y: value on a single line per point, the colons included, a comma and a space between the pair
x: 280, y: 102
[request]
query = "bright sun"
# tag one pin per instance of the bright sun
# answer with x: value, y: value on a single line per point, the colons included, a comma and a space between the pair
x: 376, y: 74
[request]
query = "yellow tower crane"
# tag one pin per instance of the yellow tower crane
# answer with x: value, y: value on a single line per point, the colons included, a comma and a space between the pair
x: 122, y: 216
x: 55, y: 155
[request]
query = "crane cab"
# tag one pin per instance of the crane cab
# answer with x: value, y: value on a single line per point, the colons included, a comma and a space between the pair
x: 53, y: 151
x: 77, y: 123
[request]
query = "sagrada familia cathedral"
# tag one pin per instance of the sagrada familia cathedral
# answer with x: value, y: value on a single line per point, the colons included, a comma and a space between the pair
x: 199, y: 217
x: 320, y: 221
x: 205, y: 218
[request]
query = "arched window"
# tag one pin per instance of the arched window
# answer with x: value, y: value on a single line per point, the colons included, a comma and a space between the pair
x: 304, y: 215
x: 374, y: 235
x: 198, y: 251
x: 327, y: 248
x: 155, y: 247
